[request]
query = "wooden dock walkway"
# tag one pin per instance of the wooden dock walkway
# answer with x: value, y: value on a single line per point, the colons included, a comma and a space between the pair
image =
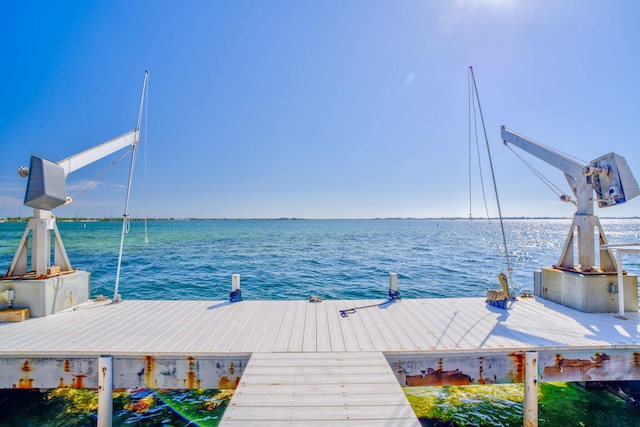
x: 323, y: 389
x: 282, y: 350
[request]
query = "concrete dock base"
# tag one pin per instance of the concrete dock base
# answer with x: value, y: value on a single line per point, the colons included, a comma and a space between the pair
x: 589, y: 293
x: 51, y: 294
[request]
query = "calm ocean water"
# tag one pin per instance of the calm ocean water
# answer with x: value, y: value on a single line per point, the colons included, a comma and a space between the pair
x: 293, y: 259
x: 334, y: 259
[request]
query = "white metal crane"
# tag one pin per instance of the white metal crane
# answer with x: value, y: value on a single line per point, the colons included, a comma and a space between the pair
x: 611, y: 179
x: 46, y: 190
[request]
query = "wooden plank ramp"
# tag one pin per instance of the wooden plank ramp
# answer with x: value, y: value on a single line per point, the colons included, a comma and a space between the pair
x: 324, y: 388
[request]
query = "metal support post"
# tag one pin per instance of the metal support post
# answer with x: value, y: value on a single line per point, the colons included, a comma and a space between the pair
x: 531, y: 389
x: 105, y: 391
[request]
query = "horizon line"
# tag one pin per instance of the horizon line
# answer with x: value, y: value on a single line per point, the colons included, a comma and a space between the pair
x: 80, y: 219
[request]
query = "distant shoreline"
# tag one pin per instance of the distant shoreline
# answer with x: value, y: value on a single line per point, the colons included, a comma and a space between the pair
x: 25, y: 219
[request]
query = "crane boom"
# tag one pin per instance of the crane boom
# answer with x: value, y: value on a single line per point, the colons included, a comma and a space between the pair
x: 46, y: 179
x: 547, y: 154
x: 80, y: 160
x: 574, y: 171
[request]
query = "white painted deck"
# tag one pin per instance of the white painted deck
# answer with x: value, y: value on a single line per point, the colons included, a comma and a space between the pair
x: 307, y: 365
x: 319, y: 389
x: 158, y: 328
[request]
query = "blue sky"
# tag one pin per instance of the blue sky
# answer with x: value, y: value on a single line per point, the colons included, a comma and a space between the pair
x: 323, y: 109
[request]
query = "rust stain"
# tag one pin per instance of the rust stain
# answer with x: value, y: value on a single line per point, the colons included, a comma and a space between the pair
x: 399, y: 371
x: 67, y: 365
x: 149, y: 371
x: 518, y: 362
x: 480, y: 371
x: 636, y: 360
x: 232, y: 368
x: 228, y: 383
x: 601, y: 358
x: 564, y: 366
x: 78, y: 381
x: 61, y: 384
x: 26, y: 367
x: 25, y: 382
x: 432, y: 377
x: 192, y: 381
x: 481, y: 378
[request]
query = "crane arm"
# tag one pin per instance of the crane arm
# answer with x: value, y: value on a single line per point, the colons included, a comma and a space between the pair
x: 46, y: 179
x: 80, y: 160
x: 566, y: 164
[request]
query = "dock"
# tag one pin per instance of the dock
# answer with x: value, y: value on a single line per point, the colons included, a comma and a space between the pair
x: 301, y: 362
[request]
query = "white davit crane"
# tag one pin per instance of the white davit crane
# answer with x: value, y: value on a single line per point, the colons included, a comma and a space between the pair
x: 611, y: 179
x: 45, y: 191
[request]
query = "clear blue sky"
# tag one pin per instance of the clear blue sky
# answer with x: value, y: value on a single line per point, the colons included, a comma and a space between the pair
x: 315, y: 109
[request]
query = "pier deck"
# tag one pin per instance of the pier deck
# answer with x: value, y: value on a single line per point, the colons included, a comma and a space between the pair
x: 144, y: 327
x: 211, y: 344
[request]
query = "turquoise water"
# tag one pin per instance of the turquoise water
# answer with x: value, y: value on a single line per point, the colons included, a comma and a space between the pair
x: 293, y: 259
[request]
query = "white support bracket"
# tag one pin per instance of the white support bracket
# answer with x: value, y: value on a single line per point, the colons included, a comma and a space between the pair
x: 585, y: 225
x: 40, y: 227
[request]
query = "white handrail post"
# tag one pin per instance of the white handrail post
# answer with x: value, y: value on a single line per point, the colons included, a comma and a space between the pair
x: 620, y: 285
x: 531, y: 389
x: 105, y: 391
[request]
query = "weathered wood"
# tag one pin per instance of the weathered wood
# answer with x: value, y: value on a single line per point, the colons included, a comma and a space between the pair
x: 14, y: 315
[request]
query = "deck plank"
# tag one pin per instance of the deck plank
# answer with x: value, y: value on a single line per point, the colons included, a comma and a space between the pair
x: 207, y: 322
x: 276, y: 323
x: 323, y: 340
x: 336, y: 338
x: 310, y: 330
x: 227, y: 327
x: 253, y: 337
x: 296, y: 337
x: 256, y: 320
x: 361, y: 340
